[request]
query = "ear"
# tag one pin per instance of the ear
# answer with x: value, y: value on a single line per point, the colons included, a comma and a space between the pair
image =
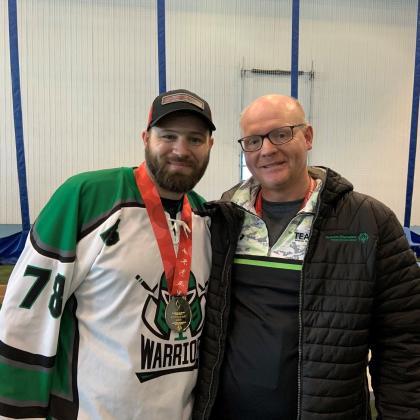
x: 309, y: 135
x: 145, y: 135
x: 211, y: 141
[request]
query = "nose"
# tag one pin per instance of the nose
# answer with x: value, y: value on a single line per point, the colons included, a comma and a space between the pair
x: 181, y: 147
x: 267, y: 147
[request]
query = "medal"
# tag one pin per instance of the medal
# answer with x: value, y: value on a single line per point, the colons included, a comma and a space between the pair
x: 178, y: 314
x: 177, y: 265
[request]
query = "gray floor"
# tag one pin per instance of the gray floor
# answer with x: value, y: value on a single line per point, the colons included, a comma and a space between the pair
x: 6, y: 230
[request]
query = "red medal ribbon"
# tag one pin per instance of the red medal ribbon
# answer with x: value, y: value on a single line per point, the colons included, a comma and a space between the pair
x: 309, y: 191
x: 177, y: 267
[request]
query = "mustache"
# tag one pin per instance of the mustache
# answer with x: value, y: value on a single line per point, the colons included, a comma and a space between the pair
x: 180, y: 159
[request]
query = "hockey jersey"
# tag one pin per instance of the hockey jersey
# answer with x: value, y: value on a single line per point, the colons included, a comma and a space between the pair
x: 82, y: 327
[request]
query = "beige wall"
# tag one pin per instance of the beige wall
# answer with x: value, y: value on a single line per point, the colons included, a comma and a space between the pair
x: 89, y: 73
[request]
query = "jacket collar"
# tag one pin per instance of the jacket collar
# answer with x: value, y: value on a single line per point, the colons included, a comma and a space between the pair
x: 330, y: 185
x: 334, y: 185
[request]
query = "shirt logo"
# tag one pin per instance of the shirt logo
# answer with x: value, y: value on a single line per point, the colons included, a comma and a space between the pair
x: 111, y: 235
x: 162, y: 350
x: 301, y: 236
x: 362, y: 237
x: 182, y: 97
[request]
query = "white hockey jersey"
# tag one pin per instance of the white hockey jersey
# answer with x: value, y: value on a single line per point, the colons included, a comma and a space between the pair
x: 82, y: 327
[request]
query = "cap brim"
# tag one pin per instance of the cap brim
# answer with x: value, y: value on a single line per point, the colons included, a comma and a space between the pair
x: 186, y: 109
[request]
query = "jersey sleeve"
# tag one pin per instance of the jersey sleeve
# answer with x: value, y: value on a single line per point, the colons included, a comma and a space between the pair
x: 37, y: 304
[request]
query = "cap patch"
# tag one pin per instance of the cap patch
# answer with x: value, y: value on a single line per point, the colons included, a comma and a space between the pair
x: 182, y: 97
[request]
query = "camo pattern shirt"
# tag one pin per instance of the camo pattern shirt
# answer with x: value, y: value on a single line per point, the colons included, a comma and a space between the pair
x: 254, y: 240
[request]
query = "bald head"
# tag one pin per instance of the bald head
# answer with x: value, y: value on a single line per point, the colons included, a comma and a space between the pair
x: 269, y: 109
x: 280, y: 168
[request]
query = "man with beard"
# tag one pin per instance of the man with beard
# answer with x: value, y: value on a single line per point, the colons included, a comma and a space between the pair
x: 105, y: 307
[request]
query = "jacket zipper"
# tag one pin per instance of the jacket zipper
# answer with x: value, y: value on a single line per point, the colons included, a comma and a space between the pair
x: 300, y: 302
x: 299, y: 382
x: 300, y: 345
x: 226, y: 271
x: 368, y: 414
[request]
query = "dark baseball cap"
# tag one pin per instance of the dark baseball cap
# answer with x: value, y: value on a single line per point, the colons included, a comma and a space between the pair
x: 179, y: 100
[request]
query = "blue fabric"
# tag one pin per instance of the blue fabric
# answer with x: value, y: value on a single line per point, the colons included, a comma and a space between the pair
x: 161, y: 45
x: 11, y: 247
x: 415, y: 237
x: 295, y: 49
x: 413, y: 240
x: 17, y: 114
x: 413, y: 131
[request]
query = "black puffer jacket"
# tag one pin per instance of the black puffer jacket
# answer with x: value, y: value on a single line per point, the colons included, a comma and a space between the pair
x: 360, y: 290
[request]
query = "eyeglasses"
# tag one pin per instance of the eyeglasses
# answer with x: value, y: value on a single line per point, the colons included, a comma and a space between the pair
x: 277, y: 137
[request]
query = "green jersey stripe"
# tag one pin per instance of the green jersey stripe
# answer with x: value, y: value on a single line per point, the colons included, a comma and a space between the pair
x: 86, y: 201
x: 269, y: 264
x: 81, y: 201
x: 38, y: 393
x: 195, y: 200
x: 64, y: 380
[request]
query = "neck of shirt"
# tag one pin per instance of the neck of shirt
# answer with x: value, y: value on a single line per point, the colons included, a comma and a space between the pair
x: 172, y: 206
x: 277, y: 216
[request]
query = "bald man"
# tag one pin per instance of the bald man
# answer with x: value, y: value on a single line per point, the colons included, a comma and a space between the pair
x: 308, y: 278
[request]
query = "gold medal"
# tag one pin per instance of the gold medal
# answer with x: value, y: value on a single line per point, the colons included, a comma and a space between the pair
x: 178, y: 314
x: 177, y: 266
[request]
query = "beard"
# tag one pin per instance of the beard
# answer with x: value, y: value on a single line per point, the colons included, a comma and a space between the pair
x: 178, y: 183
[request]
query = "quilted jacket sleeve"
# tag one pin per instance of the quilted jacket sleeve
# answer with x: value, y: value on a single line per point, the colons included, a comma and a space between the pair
x: 395, y: 364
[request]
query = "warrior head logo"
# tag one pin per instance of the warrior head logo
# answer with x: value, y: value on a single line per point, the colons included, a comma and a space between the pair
x: 153, y: 314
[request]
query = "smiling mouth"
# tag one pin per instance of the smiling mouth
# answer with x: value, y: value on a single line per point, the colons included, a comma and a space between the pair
x: 273, y: 165
x: 181, y: 164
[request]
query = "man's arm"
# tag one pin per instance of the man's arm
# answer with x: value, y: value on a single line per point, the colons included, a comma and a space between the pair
x: 395, y: 364
x: 34, y: 307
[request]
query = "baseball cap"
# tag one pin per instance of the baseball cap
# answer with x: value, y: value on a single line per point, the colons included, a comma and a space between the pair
x: 179, y: 100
